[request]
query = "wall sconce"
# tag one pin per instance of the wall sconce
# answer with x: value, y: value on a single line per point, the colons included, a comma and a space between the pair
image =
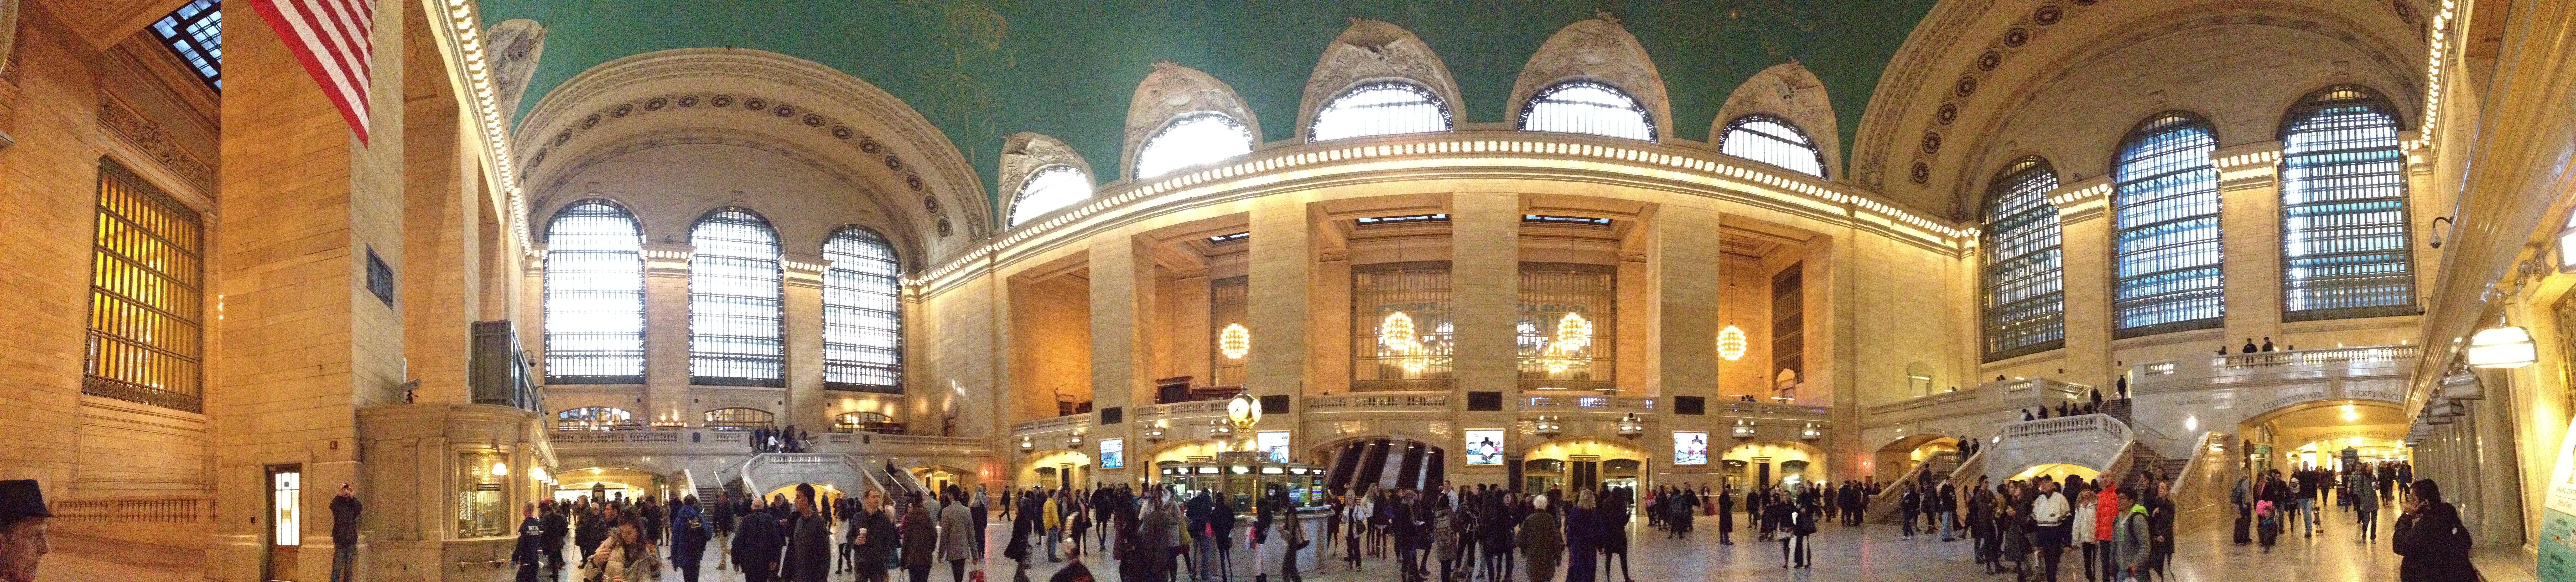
x: 1631, y: 426
x: 1073, y: 442
x: 2436, y: 239
x: 500, y: 469
x: 1743, y: 429
x: 1218, y: 428
x: 1547, y: 426
x: 1730, y: 343
x: 1154, y: 434
x: 1811, y: 432
x: 1028, y: 445
x: 2502, y: 347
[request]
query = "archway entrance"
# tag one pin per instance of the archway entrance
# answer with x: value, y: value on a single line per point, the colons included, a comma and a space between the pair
x: 1575, y: 464
x: 606, y: 483
x: 1055, y: 469
x: 1901, y: 456
x: 2315, y: 434
x: 939, y: 478
x: 824, y: 494
x: 2057, y: 472
x: 1771, y: 463
x: 1382, y: 461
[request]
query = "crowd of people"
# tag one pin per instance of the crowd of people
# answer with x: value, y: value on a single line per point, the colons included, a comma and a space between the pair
x: 781, y: 440
x: 2274, y: 503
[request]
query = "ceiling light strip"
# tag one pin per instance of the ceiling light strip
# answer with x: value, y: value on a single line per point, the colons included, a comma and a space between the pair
x: 487, y: 108
x: 2437, y: 50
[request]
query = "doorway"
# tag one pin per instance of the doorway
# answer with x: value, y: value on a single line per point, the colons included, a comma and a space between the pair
x: 1586, y: 473
x: 285, y: 521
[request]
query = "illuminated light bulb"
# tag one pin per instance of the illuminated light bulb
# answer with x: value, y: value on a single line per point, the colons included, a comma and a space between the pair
x: 1234, y: 342
x: 1730, y: 343
x: 1396, y: 332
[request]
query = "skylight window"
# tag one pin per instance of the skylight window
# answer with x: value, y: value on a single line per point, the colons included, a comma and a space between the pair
x: 1227, y: 238
x: 195, y: 33
x: 1772, y: 140
x: 1589, y: 107
x: 1402, y: 219
x: 1048, y: 189
x: 1380, y: 108
x: 1192, y: 139
x: 1565, y: 219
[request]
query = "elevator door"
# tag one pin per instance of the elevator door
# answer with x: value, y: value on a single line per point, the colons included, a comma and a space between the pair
x: 285, y: 520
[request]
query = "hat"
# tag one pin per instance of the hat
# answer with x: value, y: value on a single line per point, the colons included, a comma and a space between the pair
x: 21, y: 498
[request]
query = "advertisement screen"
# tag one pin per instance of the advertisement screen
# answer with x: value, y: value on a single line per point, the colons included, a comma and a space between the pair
x: 1485, y: 446
x: 1690, y: 448
x: 1113, y: 453
x: 1273, y: 442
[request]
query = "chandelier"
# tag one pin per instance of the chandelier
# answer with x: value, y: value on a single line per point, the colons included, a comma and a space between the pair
x: 1234, y: 341
x: 1396, y: 337
x: 1730, y: 343
x: 1573, y: 334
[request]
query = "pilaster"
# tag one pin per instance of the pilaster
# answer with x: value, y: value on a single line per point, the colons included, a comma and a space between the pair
x: 666, y: 334
x: 1122, y: 300
x: 2084, y: 259
x: 2250, y: 217
x: 1484, y: 304
x: 803, y: 324
x: 1685, y: 265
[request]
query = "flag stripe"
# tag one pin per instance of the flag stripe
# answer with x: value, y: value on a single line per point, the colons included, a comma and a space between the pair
x: 331, y: 38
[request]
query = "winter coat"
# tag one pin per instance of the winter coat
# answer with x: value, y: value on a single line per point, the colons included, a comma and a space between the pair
x: 1542, y: 540
x: 957, y: 534
x: 809, y: 549
x: 2129, y: 543
x: 881, y: 536
x: 1446, y: 526
x: 757, y: 540
x: 689, y: 535
x: 920, y: 537
x: 2435, y: 546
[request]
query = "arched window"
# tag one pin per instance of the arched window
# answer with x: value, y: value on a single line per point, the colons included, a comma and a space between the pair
x: 1192, y: 139
x: 594, y: 296
x: 2025, y: 301
x: 1767, y: 138
x: 594, y: 418
x: 849, y: 422
x: 740, y: 419
x: 1048, y: 189
x: 734, y: 301
x: 2165, y: 252
x: 1591, y: 107
x: 1380, y: 108
x: 2344, y: 247
x: 862, y: 313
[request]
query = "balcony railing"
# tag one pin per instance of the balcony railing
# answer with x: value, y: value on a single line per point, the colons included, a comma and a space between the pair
x: 1591, y: 403
x: 2265, y: 367
x: 2323, y: 357
x: 1376, y: 402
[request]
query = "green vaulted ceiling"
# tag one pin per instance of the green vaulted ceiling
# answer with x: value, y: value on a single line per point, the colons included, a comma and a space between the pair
x: 984, y: 69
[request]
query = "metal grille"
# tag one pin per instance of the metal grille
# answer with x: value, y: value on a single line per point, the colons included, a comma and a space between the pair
x: 145, y: 305
x: 2025, y: 296
x: 1400, y: 328
x: 1228, y: 301
x: 1788, y: 328
x: 1192, y: 139
x: 2166, y: 250
x: 594, y: 296
x: 1567, y: 333
x: 1771, y: 140
x: 734, y: 301
x: 195, y: 33
x: 862, y: 313
x: 2344, y: 245
x: 1379, y: 108
x: 740, y: 419
x: 1589, y: 107
x: 1047, y: 190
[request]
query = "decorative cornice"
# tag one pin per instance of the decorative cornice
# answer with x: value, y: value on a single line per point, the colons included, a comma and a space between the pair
x: 149, y: 139
x: 2081, y: 200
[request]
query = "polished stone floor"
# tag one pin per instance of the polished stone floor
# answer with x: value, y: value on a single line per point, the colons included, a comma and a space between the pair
x: 1866, y: 553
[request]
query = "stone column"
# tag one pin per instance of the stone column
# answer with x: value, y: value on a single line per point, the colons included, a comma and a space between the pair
x: 802, y: 321
x: 666, y: 336
x: 1685, y: 265
x: 1484, y: 307
x: 2084, y: 257
x: 2249, y: 185
x: 1279, y: 310
x: 1122, y: 305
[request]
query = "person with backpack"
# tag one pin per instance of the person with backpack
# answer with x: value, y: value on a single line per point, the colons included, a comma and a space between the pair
x: 2130, y: 543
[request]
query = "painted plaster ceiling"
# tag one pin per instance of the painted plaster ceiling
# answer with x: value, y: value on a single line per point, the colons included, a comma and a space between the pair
x: 984, y: 69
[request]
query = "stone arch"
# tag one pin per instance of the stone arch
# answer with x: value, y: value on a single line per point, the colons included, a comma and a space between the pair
x: 2288, y: 100
x: 666, y: 215
x: 1170, y: 91
x: 1373, y: 50
x: 1027, y: 152
x: 1788, y: 91
x: 1597, y: 49
x: 892, y: 157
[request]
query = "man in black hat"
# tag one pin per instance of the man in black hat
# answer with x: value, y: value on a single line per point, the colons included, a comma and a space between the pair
x: 23, y: 524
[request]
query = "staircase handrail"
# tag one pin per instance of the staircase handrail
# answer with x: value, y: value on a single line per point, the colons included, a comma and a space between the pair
x: 1974, y: 464
x: 1885, y: 502
x: 2200, y: 491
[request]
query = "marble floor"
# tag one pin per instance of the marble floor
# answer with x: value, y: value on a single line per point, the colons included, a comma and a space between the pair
x: 1871, y: 552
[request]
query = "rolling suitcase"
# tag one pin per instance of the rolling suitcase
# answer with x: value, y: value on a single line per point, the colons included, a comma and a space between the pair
x: 2244, y: 525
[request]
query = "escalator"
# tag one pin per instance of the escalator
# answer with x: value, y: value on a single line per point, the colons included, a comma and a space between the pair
x: 1372, y: 472
x: 1408, y: 474
x: 1344, y: 464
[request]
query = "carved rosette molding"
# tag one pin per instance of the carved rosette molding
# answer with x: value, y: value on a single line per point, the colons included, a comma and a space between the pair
x: 149, y: 139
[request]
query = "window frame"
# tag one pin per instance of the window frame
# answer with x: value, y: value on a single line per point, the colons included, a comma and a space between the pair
x: 894, y: 260
x: 1448, y: 118
x: 1541, y: 96
x: 1142, y: 149
x: 546, y: 308
x: 765, y: 419
x: 777, y: 278
x: 1018, y: 215
x: 2320, y: 103
x: 2011, y: 181
x: 172, y: 228
x: 1804, y: 141
x: 2131, y: 145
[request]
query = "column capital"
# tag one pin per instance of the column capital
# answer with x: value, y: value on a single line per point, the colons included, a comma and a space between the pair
x: 667, y: 258
x: 2252, y: 165
x: 802, y: 270
x: 2082, y: 200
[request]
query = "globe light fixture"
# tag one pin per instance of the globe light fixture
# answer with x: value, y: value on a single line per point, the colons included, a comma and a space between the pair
x: 1244, y: 411
x: 1730, y: 343
x: 1234, y: 341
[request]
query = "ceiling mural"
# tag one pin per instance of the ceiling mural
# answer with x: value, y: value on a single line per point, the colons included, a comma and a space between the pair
x: 984, y: 69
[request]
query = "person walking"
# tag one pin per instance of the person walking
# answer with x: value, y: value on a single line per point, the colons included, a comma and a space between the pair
x: 627, y: 555
x: 756, y: 542
x: 1221, y: 534
x: 1541, y: 540
x: 2081, y: 525
x: 2431, y: 539
x: 1725, y: 518
x: 2365, y: 505
x: 958, y: 538
x: 344, y: 534
x: 551, y: 521
x: 809, y: 541
x: 689, y: 535
x: 2048, y: 512
x: 2130, y: 543
x: 920, y: 540
x: 527, y: 556
x: 872, y: 536
x: 1292, y: 533
x: 1152, y: 554
x: 1582, y: 541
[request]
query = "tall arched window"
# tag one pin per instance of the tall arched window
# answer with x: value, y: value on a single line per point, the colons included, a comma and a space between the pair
x: 1192, y: 139
x: 2166, y: 251
x: 1380, y: 108
x: 594, y: 295
x: 1769, y: 139
x: 734, y: 301
x: 2343, y: 209
x: 1048, y: 189
x: 862, y: 313
x: 2025, y: 298
x: 1591, y: 107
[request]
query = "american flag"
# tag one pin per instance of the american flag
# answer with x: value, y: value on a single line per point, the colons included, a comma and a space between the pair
x: 331, y: 38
